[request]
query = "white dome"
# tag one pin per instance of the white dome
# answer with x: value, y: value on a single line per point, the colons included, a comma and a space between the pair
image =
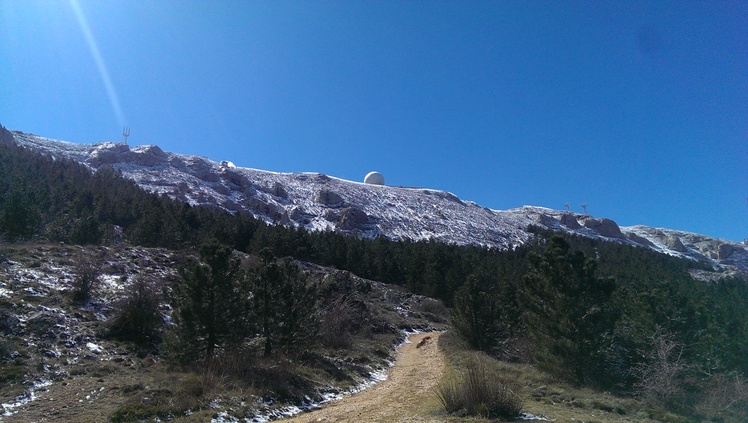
x: 374, y: 178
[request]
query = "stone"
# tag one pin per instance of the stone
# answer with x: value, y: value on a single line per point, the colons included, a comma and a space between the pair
x: 674, y: 243
x: 570, y: 221
x: 604, y: 227
x: 329, y: 198
x: 724, y: 251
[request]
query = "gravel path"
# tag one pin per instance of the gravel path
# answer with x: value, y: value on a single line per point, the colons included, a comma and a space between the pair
x: 406, y: 396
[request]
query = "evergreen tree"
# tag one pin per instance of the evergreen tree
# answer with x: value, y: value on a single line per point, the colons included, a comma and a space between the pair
x: 211, y: 303
x: 285, y: 302
x: 567, y: 312
x: 476, y: 315
x: 18, y: 217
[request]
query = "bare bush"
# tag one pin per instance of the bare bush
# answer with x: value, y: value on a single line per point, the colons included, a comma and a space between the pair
x: 137, y: 315
x: 434, y: 310
x: 87, y: 271
x: 725, y: 398
x: 479, y: 390
x: 661, y: 374
x: 336, y: 322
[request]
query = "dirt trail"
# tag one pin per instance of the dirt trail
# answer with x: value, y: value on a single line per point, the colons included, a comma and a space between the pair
x: 406, y: 395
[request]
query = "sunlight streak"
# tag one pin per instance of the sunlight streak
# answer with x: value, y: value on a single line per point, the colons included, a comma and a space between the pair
x: 91, y: 41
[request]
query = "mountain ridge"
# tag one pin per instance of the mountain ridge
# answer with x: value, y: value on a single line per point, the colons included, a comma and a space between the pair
x: 319, y: 202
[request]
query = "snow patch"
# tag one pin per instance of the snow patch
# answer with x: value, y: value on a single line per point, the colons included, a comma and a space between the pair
x: 12, y: 408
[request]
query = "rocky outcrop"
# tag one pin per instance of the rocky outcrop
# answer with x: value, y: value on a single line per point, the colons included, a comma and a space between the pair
x: 544, y: 219
x: 6, y: 137
x: 272, y: 211
x: 604, y: 227
x: 724, y: 251
x: 570, y: 221
x: 329, y: 198
x: 107, y: 153
x: 114, y: 152
x: 147, y: 155
x: 355, y: 220
x: 675, y: 244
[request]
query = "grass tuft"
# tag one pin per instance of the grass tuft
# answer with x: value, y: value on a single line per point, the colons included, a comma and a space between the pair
x: 478, y: 391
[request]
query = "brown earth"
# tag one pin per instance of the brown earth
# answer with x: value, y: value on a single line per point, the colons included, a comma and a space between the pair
x: 406, y: 396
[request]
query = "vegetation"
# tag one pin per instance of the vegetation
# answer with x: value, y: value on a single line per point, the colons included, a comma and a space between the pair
x: 630, y: 321
x: 478, y: 391
x: 568, y: 312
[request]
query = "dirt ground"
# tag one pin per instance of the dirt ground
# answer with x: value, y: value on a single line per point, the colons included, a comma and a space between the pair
x: 406, y: 396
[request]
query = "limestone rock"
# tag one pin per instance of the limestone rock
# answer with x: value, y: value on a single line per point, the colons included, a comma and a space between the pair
x: 604, y: 227
x: 329, y: 198
x: 570, y: 221
x: 674, y: 243
x: 724, y: 251
x: 354, y: 219
x: 147, y: 155
x: 107, y: 153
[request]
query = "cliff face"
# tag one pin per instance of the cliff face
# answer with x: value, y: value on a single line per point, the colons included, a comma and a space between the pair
x: 319, y: 202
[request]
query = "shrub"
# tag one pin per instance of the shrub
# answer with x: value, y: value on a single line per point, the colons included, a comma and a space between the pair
x: 724, y: 398
x: 137, y: 317
x: 478, y: 390
x: 434, y: 310
x: 661, y: 375
x: 87, y: 272
x: 337, y: 318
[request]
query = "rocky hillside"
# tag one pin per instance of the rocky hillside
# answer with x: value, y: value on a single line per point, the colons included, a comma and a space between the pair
x: 58, y: 364
x: 320, y: 202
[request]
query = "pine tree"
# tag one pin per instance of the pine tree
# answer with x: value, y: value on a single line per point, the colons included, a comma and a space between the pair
x: 285, y: 301
x: 476, y: 315
x: 211, y: 303
x: 567, y: 312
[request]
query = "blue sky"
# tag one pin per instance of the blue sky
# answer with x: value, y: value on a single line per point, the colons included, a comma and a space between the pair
x: 637, y: 108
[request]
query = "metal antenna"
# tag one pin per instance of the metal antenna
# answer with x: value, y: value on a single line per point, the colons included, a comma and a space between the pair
x: 126, y: 133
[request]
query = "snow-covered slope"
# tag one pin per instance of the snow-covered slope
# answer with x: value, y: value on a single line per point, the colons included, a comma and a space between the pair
x: 319, y: 202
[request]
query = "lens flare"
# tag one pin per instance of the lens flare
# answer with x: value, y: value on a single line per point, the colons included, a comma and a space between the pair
x: 100, y: 64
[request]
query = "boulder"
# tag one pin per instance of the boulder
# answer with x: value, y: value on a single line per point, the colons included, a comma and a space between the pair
x: 329, y: 198
x: 354, y: 219
x: 724, y: 251
x: 570, y: 221
x: 544, y: 219
x: 147, y: 155
x: 604, y: 227
x: 674, y: 243
x: 107, y: 153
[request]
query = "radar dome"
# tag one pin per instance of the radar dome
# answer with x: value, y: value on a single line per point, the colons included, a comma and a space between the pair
x: 374, y: 178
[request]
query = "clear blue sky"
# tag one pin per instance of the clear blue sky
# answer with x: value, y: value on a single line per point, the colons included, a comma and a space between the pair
x: 637, y: 108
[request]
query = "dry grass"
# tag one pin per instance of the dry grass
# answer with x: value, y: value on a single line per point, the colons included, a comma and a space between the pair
x: 543, y: 395
x: 478, y: 390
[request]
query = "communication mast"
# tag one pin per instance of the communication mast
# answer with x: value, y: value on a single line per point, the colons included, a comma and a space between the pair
x: 126, y: 133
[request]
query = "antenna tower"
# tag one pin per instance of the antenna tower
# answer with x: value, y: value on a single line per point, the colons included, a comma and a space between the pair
x: 126, y: 133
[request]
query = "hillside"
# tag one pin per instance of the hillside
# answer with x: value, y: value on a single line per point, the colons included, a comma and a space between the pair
x: 57, y: 362
x: 320, y: 202
x: 117, y: 301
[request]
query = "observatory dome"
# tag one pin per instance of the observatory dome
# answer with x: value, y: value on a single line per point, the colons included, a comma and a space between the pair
x: 374, y: 178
